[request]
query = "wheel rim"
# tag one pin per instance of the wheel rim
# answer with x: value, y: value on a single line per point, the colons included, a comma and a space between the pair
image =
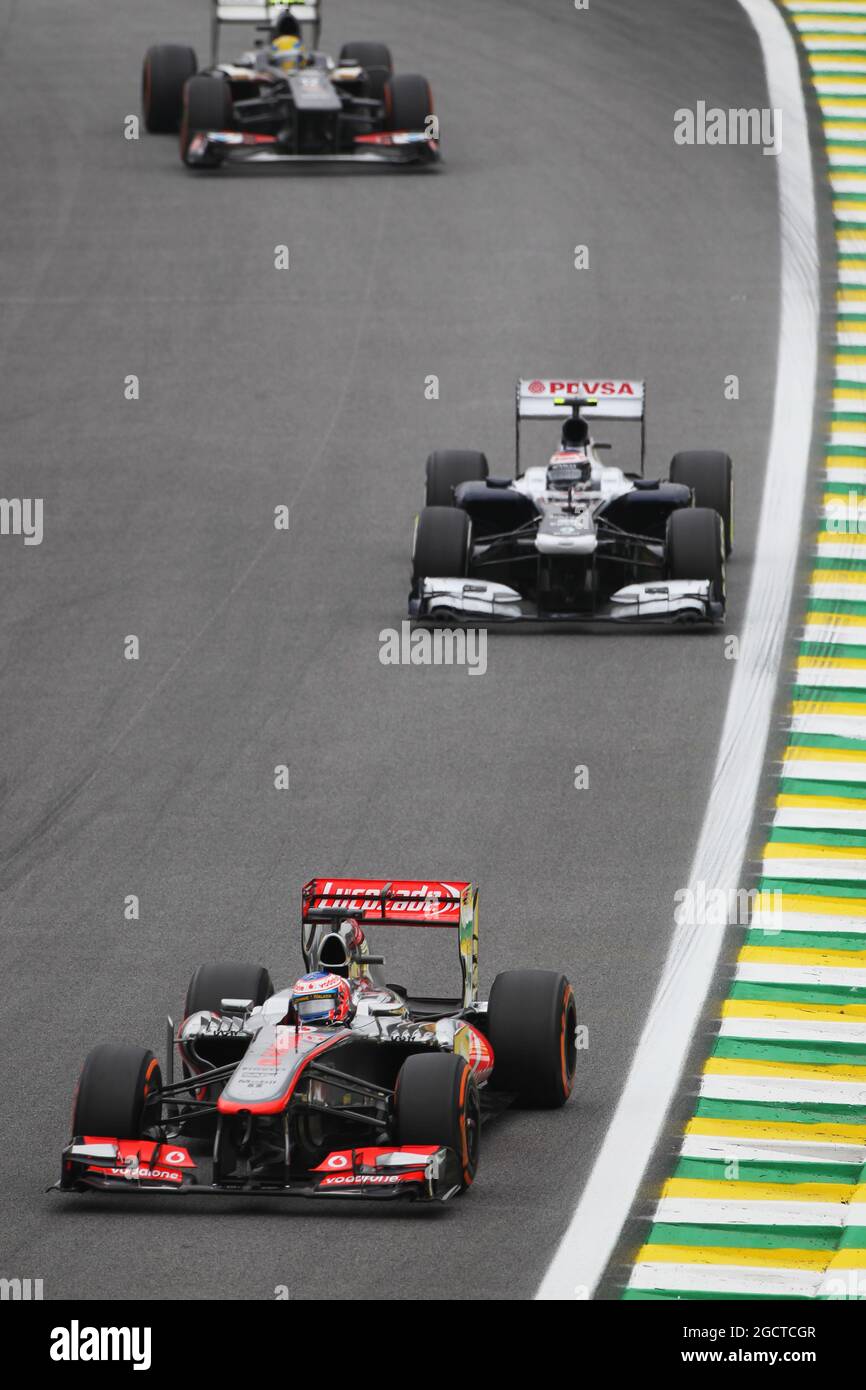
x: 470, y: 1124
x: 568, y: 1041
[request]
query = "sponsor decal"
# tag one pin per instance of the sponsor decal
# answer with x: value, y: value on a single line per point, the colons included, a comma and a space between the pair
x: 430, y: 899
x: 133, y: 1174
x: 592, y: 388
x: 366, y: 1158
x: 363, y: 1179
x: 287, y: 1039
x: 136, y: 1150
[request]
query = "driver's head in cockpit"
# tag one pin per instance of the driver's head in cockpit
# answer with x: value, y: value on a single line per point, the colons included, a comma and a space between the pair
x: 322, y: 998
x: 287, y: 49
x: 575, y: 433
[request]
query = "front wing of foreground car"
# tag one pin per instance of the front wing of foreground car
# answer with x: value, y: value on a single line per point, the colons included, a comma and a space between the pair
x: 662, y: 602
x: 244, y: 147
x: 419, y: 1172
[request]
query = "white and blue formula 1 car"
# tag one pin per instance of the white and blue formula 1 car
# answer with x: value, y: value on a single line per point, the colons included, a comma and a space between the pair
x: 574, y: 539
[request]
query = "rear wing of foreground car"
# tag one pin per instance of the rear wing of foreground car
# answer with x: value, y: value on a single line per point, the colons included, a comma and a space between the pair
x: 399, y: 903
x: 544, y: 398
x: 308, y: 15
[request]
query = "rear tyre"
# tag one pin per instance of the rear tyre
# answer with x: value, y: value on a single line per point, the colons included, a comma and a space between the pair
x: 447, y: 468
x: 111, y: 1096
x: 408, y: 102
x: 443, y: 536
x: 207, y: 105
x: 375, y: 59
x: 710, y: 475
x: 436, y: 1102
x: 695, y: 547
x: 531, y: 1024
x: 167, y: 66
x: 208, y: 987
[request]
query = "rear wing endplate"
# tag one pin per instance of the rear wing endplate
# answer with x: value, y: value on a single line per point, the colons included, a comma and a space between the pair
x: 403, y: 903
x: 544, y: 398
x: 308, y: 15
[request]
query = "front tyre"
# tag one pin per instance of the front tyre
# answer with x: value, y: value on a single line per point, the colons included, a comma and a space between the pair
x: 531, y: 1024
x: 436, y: 1102
x: 167, y: 67
x: 408, y: 102
x: 207, y: 105
x: 695, y: 548
x: 112, y: 1096
x: 443, y: 541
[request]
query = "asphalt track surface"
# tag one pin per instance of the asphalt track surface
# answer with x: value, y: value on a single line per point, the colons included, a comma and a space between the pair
x: 258, y: 648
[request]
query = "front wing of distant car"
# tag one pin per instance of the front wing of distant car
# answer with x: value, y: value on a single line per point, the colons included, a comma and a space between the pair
x: 658, y: 602
x: 98, y: 1163
x: 244, y: 147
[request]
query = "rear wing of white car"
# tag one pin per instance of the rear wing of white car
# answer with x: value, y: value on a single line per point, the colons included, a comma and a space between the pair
x: 544, y: 398
x: 308, y: 15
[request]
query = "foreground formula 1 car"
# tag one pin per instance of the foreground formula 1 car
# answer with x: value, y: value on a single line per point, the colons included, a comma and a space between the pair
x: 287, y: 101
x: 340, y: 1085
x: 574, y: 540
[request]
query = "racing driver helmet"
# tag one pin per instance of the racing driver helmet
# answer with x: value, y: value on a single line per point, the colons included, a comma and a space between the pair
x: 287, y: 51
x: 321, y: 998
x: 285, y: 25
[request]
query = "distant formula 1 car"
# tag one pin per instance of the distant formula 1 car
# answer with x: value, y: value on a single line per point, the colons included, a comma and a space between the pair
x: 338, y: 1086
x: 575, y: 540
x: 287, y: 101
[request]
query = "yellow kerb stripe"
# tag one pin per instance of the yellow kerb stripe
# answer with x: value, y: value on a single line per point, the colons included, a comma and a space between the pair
x: 797, y: 1071
x: 811, y: 1013
x: 730, y: 1191
x: 780, y: 849
x: 787, y: 801
x: 757, y: 1258
x: 823, y: 755
x: 775, y: 1129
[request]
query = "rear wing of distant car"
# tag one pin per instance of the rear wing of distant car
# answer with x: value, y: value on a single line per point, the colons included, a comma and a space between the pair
x: 544, y: 398
x: 401, y: 903
x: 308, y: 15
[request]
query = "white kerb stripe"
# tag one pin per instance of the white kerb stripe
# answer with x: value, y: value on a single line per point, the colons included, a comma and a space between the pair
x: 770, y: 1151
x: 718, y: 1211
